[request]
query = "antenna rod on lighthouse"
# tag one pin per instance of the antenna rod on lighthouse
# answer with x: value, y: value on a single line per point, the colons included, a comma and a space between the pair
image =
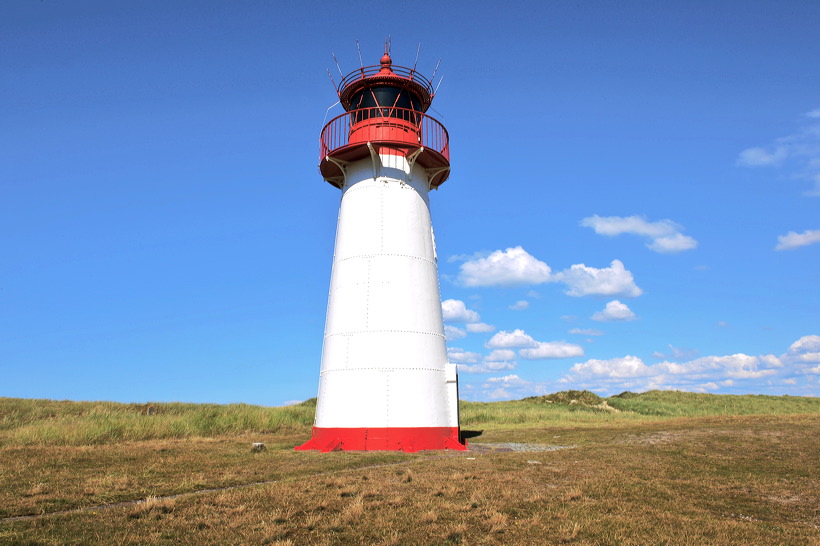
x: 435, y: 69
x: 337, y: 65
x: 417, y: 57
x: 441, y: 79
x: 358, y: 47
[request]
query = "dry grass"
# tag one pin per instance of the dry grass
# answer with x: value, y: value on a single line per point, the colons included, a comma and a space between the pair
x: 708, y: 480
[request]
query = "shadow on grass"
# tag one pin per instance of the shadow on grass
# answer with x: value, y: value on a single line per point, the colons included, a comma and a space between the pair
x: 467, y: 434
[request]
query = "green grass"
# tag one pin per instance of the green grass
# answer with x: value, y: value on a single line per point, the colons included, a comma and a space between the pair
x: 691, y: 404
x: 583, y: 408
x: 47, y: 422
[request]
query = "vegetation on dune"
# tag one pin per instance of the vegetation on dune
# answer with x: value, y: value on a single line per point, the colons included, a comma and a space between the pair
x: 48, y: 422
x: 582, y: 408
x: 693, y: 404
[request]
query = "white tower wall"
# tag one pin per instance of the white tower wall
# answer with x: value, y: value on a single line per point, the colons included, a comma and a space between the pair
x: 384, y: 361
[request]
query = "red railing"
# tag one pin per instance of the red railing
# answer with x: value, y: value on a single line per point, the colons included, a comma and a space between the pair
x: 384, y: 124
x: 367, y: 71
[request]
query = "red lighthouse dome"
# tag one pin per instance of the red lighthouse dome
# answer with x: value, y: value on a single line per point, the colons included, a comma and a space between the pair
x: 385, y: 113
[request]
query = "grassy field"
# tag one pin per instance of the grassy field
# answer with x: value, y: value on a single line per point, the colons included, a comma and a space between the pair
x: 651, y: 468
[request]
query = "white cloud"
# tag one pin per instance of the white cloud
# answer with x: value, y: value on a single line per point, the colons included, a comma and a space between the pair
x: 452, y: 333
x: 804, y: 355
x: 513, y: 266
x: 628, y: 366
x: 487, y: 367
x: 520, y: 305
x: 806, y: 344
x: 590, y: 281
x: 460, y: 356
x: 795, y: 240
x: 664, y: 235
x: 497, y: 360
x: 798, y: 152
x: 759, y: 157
x: 552, y: 349
x: 480, y: 327
x: 586, y: 332
x: 511, y: 340
x: 614, y: 311
x: 511, y: 380
x: 456, y: 311
x: 516, y: 266
x: 500, y: 355
x: 672, y: 244
x: 701, y: 374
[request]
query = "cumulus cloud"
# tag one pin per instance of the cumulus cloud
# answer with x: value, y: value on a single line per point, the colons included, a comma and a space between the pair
x: 794, y: 240
x: 513, y: 266
x: 699, y: 374
x: 456, y: 311
x: 520, y: 305
x: 511, y: 380
x: 664, y: 235
x: 614, y: 311
x: 530, y: 348
x: 515, y: 339
x: 672, y: 244
x: 628, y: 366
x: 552, y: 349
x: 460, y: 356
x: 500, y: 355
x: 738, y: 366
x: 614, y: 280
x: 468, y: 362
x: 804, y: 354
x: 452, y: 333
x: 480, y: 328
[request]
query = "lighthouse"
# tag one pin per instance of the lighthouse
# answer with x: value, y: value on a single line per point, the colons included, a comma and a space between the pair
x: 385, y: 382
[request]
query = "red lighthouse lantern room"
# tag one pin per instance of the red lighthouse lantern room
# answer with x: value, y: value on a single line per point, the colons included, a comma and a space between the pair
x: 385, y: 114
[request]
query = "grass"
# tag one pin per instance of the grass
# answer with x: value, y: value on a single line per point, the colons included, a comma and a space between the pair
x: 656, y: 468
x: 47, y: 422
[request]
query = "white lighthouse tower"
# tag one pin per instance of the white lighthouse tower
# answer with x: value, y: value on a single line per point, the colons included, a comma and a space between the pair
x: 385, y: 383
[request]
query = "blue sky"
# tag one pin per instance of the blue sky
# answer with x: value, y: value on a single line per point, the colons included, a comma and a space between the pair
x: 633, y: 201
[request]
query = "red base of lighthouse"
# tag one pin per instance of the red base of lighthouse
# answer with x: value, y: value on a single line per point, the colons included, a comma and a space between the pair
x: 408, y: 439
